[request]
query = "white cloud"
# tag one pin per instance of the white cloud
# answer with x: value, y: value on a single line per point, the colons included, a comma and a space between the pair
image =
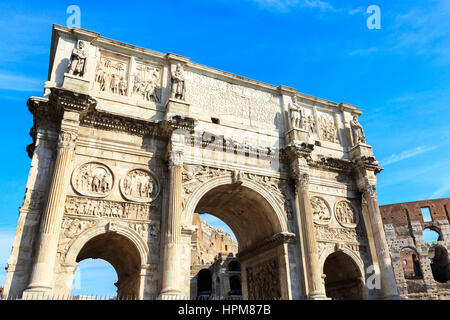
x: 424, y: 32
x: 406, y: 154
x: 286, y: 5
x: 363, y: 52
x: 442, y: 191
x: 355, y: 11
x: 20, y: 83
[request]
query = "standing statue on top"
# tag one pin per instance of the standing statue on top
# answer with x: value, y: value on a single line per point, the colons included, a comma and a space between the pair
x: 296, y: 115
x: 77, y: 64
x: 178, y: 84
x: 357, y: 131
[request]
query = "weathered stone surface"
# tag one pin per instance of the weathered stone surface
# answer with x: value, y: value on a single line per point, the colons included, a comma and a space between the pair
x: 147, y: 139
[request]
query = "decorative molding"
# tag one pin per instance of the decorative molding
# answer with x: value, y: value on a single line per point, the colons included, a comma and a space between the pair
x: 85, y: 207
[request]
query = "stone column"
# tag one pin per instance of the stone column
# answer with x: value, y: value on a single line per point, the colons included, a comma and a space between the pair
x: 316, y: 288
x: 42, y: 277
x: 171, y: 277
x: 388, y: 283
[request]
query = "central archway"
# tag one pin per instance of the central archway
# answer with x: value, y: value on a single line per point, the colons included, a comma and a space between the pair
x: 257, y: 221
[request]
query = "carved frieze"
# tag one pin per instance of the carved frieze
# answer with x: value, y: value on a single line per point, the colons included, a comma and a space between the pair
x: 264, y: 280
x: 93, y: 179
x: 106, y: 209
x: 327, y: 128
x: 111, y: 75
x: 325, y: 233
x: 147, y: 82
x: 346, y: 214
x: 140, y: 186
x: 321, y: 212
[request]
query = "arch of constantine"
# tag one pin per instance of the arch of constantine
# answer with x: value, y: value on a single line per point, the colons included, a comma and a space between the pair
x: 128, y: 144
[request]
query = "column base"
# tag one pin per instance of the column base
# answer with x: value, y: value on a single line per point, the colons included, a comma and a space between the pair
x: 318, y: 297
x: 396, y: 297
x: 171, y: 295
x: 37, y: 294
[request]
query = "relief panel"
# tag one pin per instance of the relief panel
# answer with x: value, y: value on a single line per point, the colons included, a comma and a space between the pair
x: 139, y: 186
x: 112, y: 74
x: 93, y: 179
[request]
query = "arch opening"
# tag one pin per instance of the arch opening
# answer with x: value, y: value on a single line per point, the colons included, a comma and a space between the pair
x: 253, y: 220
x: 235, y: 286
x: 440, y: 265
x: 245, y: 211
x: 411, y: 264
x: 431, y: 235
x: 204, y: 283
x: 122, y: 254
x: 343, y: 279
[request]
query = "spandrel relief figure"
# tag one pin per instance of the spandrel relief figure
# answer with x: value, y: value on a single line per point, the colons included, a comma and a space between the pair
x: 77, y: 64
x: 357, y: 131
x: 178, y: 83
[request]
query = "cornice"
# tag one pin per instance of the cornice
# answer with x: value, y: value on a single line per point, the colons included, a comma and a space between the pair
x: 273, y: 242
x: 69, y: 100
x: 334, y: 164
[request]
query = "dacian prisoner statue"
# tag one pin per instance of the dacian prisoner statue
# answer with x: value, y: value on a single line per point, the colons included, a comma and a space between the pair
x: 297, y: 115
x: 77, y: 64
x: 178, y: 86
x: 357, y: 131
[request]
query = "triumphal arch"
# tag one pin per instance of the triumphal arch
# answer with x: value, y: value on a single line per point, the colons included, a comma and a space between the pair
x: 129, y: 143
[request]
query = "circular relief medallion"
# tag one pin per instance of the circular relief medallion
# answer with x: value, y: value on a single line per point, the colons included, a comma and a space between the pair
x: 139, y: 186
x: 93, y: 179
x: 346, y: 214
x: 321, y: 212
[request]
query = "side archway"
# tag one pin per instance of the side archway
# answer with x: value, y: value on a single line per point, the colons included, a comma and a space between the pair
x: 119, y: 245
x: 344, y: 275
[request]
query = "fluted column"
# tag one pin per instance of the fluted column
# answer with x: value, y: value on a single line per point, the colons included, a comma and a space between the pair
x: 316, y: 289
x: 388, y: 284
x: 171, y: 277
x: 42, y: 278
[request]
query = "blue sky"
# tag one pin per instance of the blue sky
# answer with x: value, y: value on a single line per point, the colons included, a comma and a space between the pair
x: 399, y: 75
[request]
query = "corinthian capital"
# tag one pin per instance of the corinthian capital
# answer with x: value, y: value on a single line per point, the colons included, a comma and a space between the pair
x: 176, y: 158
x: 67, y: 139
x: 301, y: 178
x: 369, y: 191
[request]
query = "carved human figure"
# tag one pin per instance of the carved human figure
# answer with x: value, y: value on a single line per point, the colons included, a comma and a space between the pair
x: 123, y: 87
x: 100, y: 77
x: 297, y: 115
x: 357, y: 131
x: 312, y: 124
x: 77, y: 64
x: 178, y: 83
